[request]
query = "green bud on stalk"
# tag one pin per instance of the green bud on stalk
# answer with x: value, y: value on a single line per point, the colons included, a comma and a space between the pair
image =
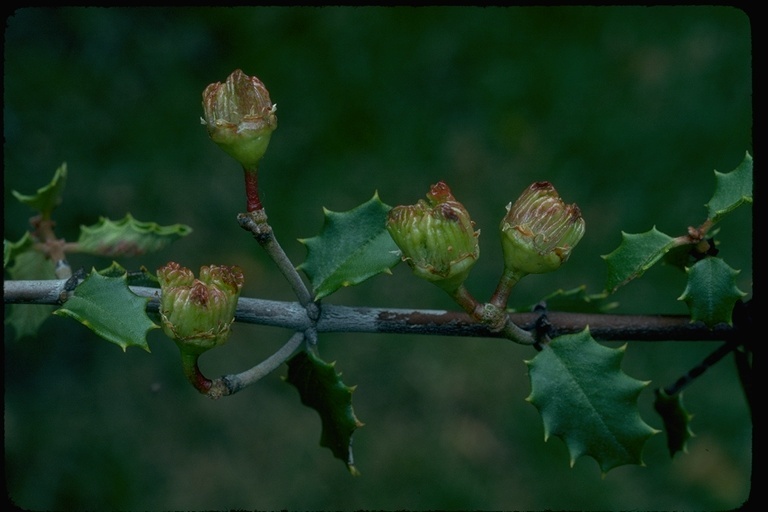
x: 539, y: 231
x: 240, y: 117
x: 436, y: 238
x: 198, y: 313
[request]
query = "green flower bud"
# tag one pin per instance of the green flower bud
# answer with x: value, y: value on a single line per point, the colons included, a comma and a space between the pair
x: 539, y: 231
x: 436, y: 238
x: 240, y: 117
x: 198, y: 313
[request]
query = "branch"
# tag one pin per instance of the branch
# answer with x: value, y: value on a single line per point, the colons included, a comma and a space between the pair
x: 231, y: 384
x: 336, y: 318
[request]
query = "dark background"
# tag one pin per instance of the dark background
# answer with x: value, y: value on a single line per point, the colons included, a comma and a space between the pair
x: 626, y: 110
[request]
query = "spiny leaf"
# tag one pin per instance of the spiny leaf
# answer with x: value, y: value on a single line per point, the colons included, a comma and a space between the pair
x: 142, y: 277
x: 127, y: 237
x: 27, y: 263
x: 711, y: 291
x: 683, y: 256
x: 48, y: 197
x: 352, y: 247
x: 12, y: 249
x: 676, y: 419
x: 26, y: 319
x: 575, y: 300
x: 586, y: 400
x: 321, y: 388
x: 732, y: 190
x: 108, y: 307
x: 114, y: 270
x: 636, y: 254
x: 6, y: 252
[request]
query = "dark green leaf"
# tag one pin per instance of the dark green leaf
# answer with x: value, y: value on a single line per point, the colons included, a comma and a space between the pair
x: 12, y: 249
x: 636, y: 254
x: 6, y: 252
x: 711, y: 291
x: 586, y: 400
x: 108, y: 307
x: 321, y: 388
x: 141, y: 277
x: 114, y: 270
x: 732, y: 190
x: 127, y: 237
x: 575, y: 300
x: 26, y: 319
x: 27, y: 263
x: 48, y: 197
x: 352, y: 247
x: 676, y: 419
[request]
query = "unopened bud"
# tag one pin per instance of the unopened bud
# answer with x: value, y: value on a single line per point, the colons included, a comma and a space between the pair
x: 198, y: 313
x: 436, y: 237
x: 539, y: 231
x: 240, y: 117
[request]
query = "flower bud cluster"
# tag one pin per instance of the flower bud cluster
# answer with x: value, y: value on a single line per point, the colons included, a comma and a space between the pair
x: 240, y: 117
x: 198, y: 313
x: 436, y: 237
x: 539, y: 231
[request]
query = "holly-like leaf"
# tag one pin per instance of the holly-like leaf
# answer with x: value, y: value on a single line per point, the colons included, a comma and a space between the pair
x: 27, y: 263
x: 731, y: 191
x: 676, y: 419
x: 142, y: 277
x: 127, y: 237
x: 321, y: 388
x: 575, y: 300
x: 26, y: 319
x: 352, y: 247
x: 114, y: 270
x: 586, y: 400
x: 711, y: 291
x: 6, y: 252
x: 636, y: 254
x: 683, y: 256
x: 48, y: 197
x: 11, y: 250
x: 108, y: 307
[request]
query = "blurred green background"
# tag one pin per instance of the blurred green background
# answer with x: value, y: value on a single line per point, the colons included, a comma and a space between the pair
x: 626, y: 110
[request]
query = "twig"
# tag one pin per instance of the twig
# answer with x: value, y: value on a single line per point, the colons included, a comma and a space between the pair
x: 231, y: 384
x: 338, y: 318
x: 256, y: 223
